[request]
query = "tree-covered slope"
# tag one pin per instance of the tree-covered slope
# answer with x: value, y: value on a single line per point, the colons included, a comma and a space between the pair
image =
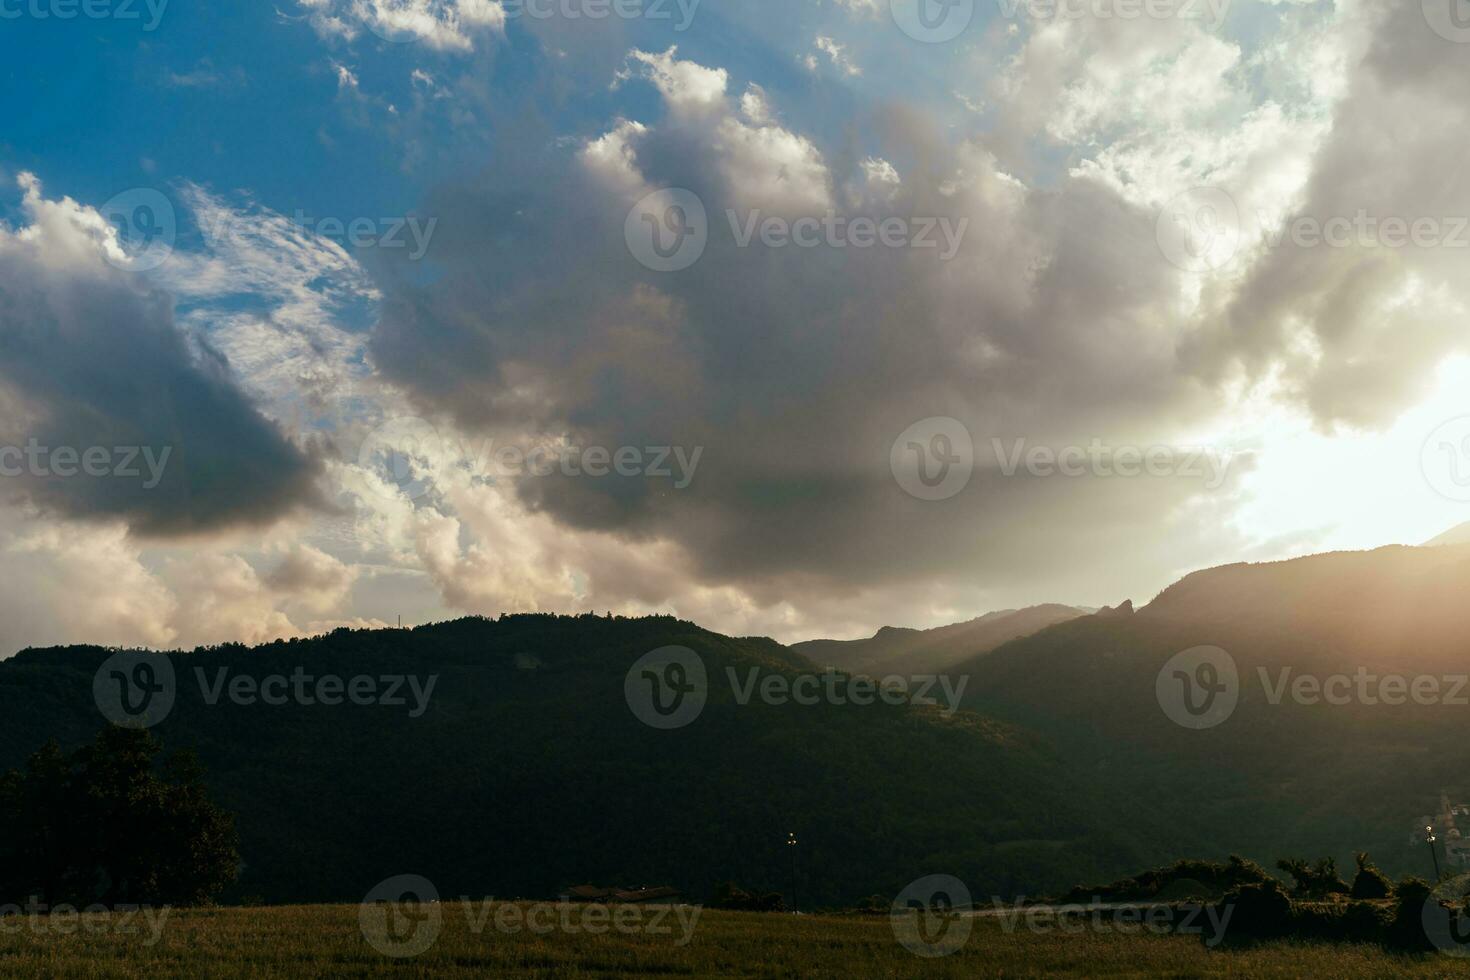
x: 529, y: 771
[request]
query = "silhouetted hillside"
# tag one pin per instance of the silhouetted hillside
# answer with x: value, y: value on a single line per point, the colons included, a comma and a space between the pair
x: 528, y: 771
x: 894, y: 650
x: 1274, y: 778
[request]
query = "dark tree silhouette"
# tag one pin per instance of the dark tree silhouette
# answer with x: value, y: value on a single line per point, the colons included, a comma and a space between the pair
x: 107, y: 825
x: 1369, y: 882
x: 1314, y: 881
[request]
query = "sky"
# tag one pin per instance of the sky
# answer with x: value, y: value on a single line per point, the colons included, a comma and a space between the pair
x: 790, y: 317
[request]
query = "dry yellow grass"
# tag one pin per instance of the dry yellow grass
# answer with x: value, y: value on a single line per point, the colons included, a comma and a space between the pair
x: 321, y: 940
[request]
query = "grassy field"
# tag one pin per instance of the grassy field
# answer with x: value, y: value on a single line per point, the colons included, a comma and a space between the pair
x: 320, y: 940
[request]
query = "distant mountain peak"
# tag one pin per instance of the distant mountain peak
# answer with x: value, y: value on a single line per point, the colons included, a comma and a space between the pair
x: 1459, y: 534
x: 897, y: 649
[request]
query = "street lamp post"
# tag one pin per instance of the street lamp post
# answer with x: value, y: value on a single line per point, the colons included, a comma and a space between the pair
x: 791, y: 845
x: 1429, y: 839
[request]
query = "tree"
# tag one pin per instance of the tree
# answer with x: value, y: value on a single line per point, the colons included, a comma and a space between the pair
x: 107, y: 825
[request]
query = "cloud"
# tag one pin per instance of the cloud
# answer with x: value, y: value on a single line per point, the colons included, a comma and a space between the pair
x: 836, y: 54
x: 95, y: 361
x: 440, y: 25
x: 795, y: 370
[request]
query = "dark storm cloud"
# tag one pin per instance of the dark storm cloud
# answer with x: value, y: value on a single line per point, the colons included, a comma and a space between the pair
x: 90, y: 359
x: 796, y: 368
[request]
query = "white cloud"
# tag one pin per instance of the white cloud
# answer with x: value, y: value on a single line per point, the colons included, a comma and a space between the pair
x: 440, y: 25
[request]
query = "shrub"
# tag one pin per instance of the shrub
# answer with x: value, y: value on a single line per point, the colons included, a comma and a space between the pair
x: 733, y: 898
x: 1314, y: 881
x: 1370, y: 883
x: 1257, y: 911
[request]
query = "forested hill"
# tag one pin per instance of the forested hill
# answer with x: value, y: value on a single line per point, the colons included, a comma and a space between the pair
x: 1350, y: 704
x: 525, y: 769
